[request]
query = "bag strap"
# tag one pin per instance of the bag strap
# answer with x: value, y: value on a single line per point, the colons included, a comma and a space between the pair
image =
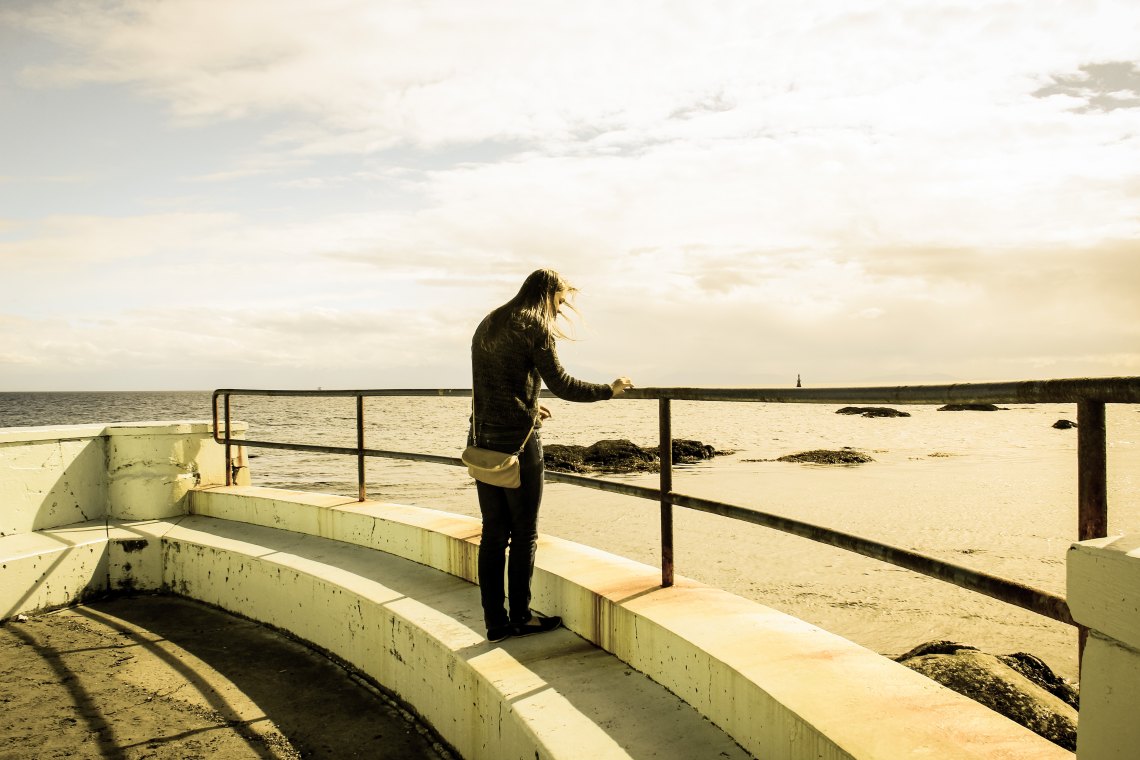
x: 528, y: 435
x: 475, y: 429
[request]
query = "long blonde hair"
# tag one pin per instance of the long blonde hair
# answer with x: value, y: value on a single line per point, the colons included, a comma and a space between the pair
x: 538, y: 300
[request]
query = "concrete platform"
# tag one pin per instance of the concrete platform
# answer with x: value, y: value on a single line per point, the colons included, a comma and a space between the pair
x: 168, y: 678
x: 415, y: 629
x: 642, y: 671
x: 418, y: 631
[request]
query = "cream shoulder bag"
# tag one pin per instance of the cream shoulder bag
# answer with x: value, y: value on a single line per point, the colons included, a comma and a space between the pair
x: 495, y: 468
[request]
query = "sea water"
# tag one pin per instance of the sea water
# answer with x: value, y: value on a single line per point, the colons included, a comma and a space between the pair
x: 994, y: 491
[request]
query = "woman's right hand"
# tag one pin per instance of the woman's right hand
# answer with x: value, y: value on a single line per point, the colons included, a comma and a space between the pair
x: 621, y: 385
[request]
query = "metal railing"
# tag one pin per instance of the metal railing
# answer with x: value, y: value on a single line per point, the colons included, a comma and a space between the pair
x: 1090, y: 396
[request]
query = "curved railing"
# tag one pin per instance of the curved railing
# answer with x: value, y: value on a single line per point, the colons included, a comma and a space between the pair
x: 1090, y: 396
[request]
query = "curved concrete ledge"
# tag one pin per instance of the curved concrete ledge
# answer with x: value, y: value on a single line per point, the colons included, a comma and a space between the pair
x: 385, y: 588
x: 779, y: 686
x: 409, y: 626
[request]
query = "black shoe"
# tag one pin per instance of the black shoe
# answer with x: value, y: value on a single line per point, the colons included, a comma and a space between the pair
x: 536, y: 624
x: 499, y: 633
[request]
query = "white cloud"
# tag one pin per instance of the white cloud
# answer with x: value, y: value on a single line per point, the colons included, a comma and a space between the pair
x: 445, y: 71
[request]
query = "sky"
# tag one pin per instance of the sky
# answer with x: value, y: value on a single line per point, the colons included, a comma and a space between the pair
x: 200, y: 194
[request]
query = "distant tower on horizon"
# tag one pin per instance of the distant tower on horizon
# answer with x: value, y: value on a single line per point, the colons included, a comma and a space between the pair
x: 798, y: 383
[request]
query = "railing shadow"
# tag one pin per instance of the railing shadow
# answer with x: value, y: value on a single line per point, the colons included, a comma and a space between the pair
x: 341, y: 718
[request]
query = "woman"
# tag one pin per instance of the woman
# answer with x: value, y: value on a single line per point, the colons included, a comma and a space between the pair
x: 512, y: 353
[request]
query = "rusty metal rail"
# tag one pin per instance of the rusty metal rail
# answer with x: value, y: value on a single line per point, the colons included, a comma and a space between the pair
x: 1090, y: 396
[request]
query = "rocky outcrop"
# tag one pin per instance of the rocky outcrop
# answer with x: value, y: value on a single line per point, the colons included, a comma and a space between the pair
x: 564, y: 458
x: 971, y: 408
x: 827, y: 456
x: 872, y: 411
x: 620, y: 455
x: 686, y: 451
x: 1064, y: 424
x: 1019, y: 686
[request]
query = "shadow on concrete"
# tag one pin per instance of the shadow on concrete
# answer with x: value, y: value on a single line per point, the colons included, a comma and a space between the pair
x: 176, y: 677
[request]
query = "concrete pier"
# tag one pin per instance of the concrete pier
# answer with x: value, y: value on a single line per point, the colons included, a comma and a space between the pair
x: 641, y: 671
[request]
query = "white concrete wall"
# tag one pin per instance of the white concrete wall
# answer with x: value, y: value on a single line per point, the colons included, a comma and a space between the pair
x: 52, y: 568
x: 152, y: 466
x: 63, y: 486
x: 51, y: 476
x: 59, y: 475
x: 1104, y: 595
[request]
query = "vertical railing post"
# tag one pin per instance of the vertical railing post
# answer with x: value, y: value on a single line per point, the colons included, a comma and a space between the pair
x: 1092, y: 471
x: 229, y: 458
x: 1092, y: 484
x: 361, y: 489
x: 665, y: 421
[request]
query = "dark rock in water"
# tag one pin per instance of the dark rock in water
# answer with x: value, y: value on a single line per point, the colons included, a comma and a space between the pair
x: 1064, y: 424
x: 620, y: 455
x: 564, y: 458
x: 872, y: 411
x: 971, y: 408
x: 686, y: 451
x: 1019, y: 686
x: 827, y: 456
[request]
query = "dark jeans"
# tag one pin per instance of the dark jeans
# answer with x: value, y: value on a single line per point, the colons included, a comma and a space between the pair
x: 510, y: 519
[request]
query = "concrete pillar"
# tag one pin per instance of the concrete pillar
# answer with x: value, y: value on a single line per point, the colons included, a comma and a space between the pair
x: 1104, y: 595
x: 151, y: 466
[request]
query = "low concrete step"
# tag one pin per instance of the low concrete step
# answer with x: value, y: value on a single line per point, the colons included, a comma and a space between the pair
x: 418, y: 631
x: 782, y: 688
